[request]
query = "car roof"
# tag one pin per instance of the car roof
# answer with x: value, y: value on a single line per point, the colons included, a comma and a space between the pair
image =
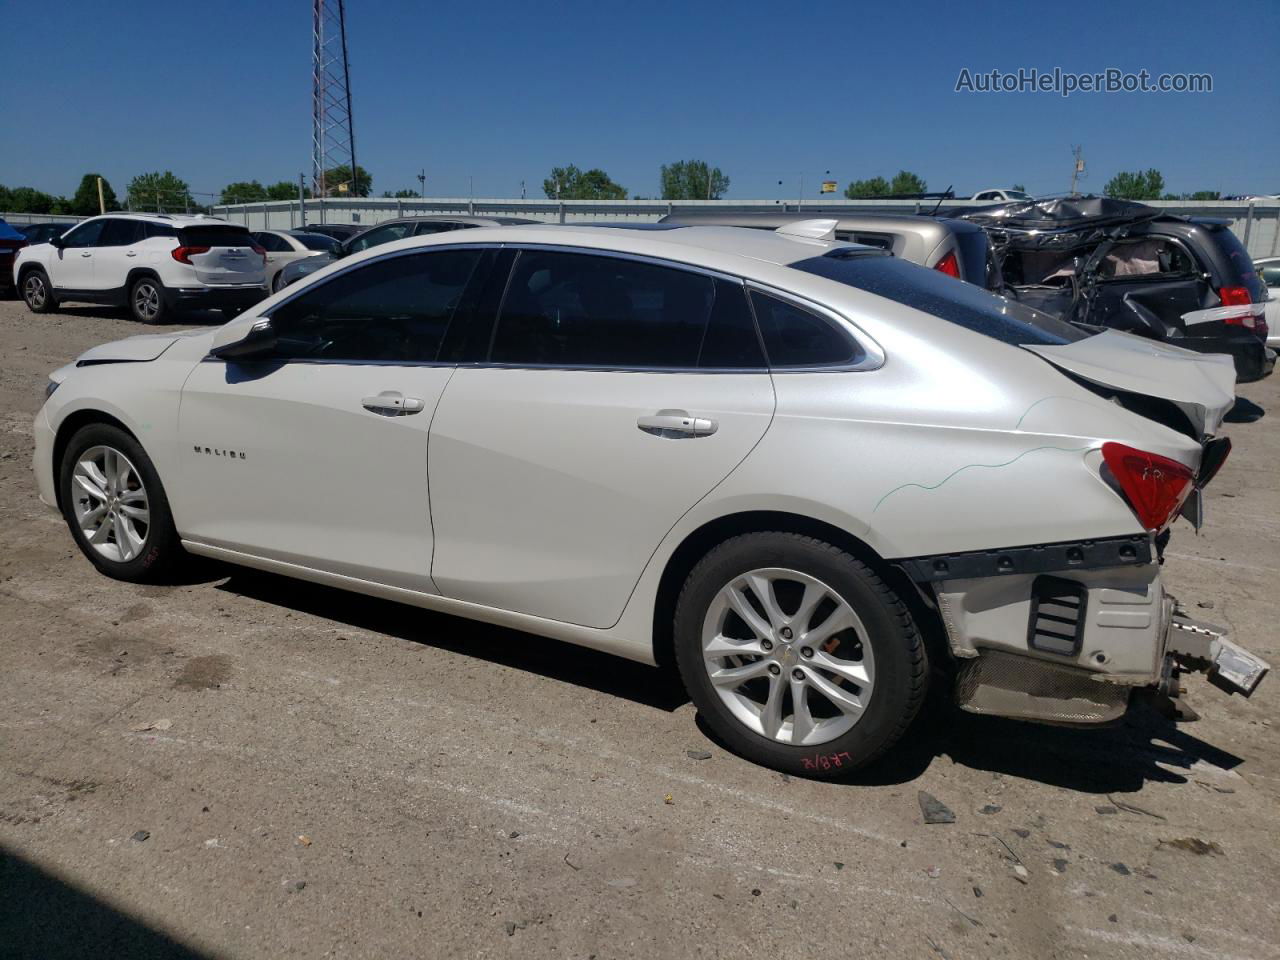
x: 171, y: 219
x: 884, y: 222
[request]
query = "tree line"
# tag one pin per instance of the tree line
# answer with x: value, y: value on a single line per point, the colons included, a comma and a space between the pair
x: 163, y: 191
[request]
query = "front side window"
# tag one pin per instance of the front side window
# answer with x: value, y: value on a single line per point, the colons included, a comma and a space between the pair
x: 380, y: 235
x: 86, y: 235
x: 579, y: 310
x: 795, y: 337
x: 392, y: 311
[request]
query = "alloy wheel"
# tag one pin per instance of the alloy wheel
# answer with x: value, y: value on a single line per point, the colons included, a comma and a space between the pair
x: 34, y: 291
x: 110, y: 503
x: 146, y: 301
x: 788, y: 656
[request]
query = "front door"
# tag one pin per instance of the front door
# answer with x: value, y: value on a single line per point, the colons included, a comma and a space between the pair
x: 316, y: 454
x: 614, y: 394
x: 73, y: 269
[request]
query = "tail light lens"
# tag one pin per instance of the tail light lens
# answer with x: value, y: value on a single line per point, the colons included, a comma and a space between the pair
x: 1155, y: 486
x: 184, y: 254
x: 949, y: 265
x: 1239, y: 297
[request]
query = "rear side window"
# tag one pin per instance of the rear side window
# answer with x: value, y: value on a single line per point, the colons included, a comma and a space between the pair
x: 160, y: 230
x: 939, y: 295
x: 120, y: 233
x: 795, y: 337
x: 215, y: 236
x: 393, y: 311
x: 316, y: 241
x: 580, y: 310
x: 1241, y: 269
x: 272, y: 243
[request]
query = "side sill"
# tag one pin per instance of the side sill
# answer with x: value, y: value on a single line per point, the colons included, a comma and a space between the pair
x: 569, y: 633
x: 1131, y: 550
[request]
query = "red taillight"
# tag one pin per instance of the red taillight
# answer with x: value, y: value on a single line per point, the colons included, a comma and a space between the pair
x: 949, y: 265
x: 1240, y: 297
x: 184, y: 254
x: 1155, y: 486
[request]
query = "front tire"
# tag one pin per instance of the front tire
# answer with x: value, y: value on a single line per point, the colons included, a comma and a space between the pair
x: 116, y: 507
x: 146, y: 301
x: 38, y: 292
x: 797, y: 655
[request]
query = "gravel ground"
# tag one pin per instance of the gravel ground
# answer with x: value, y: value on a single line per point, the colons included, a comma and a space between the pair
x: 244, y: 766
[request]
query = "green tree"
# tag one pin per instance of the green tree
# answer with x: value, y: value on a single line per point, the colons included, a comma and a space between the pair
x: 243, y: 191
x: 907, y: 182
x: 85, y: 201
x: 1205, y: 195
x: 570, y: 183
x: 400, y: 194
x: 1135, y: 185
x: 159, y: 191
x: 30, y: 200
x: 693, y: 180
x: 337, y: 177
x: 1019, y: 187
x: 861, y: 189
x: 6, y: 198
x: 285, y: 190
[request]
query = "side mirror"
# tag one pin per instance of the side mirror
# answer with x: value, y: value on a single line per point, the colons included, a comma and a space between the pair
x: 58, y: 242
x: 243, y: 343
x: 340, y: 250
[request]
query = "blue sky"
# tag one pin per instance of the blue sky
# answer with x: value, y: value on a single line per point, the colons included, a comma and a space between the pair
x: 502, y: 91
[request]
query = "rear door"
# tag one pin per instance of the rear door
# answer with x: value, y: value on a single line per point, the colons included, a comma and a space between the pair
x: 223, y: 254
x: 317, y: 453
x: 1145, y: 284
x: 612, y: 394
x: 116, y: 252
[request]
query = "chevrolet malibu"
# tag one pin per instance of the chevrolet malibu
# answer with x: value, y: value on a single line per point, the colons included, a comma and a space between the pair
x: 813, y: 476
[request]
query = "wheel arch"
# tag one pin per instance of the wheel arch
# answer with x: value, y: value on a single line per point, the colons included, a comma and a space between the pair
x: 138, y: 273
x: 67, y: 429
x: 711, y: 534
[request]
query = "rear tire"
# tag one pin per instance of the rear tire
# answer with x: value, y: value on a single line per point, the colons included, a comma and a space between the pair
x: 832, y: 637
x: 116, y: 507
x: 146, y: 301
x: 38, y: 292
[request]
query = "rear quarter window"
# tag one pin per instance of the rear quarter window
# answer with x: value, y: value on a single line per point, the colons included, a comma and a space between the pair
x: 1240, y: 269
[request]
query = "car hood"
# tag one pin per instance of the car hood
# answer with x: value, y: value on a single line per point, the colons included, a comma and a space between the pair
x: 137, y: 349
x: 1202, y: 385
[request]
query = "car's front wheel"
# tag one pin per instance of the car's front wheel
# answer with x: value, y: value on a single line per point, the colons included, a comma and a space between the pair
x: 797, y: 654
x: 146, y: 300
x: 116, y: 507
x: 37, y: 292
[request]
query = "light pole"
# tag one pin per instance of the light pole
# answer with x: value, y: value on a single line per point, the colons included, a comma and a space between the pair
x: 422, y: 184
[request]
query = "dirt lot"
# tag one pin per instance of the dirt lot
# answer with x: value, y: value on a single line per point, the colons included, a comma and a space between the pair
x: 327, y: 775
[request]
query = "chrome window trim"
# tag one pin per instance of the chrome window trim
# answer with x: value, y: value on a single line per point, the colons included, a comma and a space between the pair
x: 873, y: 355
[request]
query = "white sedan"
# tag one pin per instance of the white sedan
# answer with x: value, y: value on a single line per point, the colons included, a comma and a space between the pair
x: 283, y: 247
x: 804, y: 471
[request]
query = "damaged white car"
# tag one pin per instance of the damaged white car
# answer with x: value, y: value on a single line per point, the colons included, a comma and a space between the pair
x: 806, y: 471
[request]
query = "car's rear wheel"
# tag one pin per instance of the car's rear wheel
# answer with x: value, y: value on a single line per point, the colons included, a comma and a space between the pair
x: 797, y: 654
x: 146, y: 301
x: 116, y: 507
x: 37, y: 292
x: 277, y: 282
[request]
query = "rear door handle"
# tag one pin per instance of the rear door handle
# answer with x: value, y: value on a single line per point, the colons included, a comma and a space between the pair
x: 86, y: 254
x: 676, y: 425
x: 392, y: 403
x: 130, y: 253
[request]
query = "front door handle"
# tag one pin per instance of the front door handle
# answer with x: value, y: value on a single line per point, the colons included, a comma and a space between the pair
x: 676, y: 425
x: 392, y: 403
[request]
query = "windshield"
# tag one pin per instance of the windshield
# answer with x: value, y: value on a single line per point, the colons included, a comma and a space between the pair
x: 315, y: 241
x: 942, y: 296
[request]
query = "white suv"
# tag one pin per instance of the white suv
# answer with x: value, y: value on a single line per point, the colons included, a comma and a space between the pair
x: 153, y: 263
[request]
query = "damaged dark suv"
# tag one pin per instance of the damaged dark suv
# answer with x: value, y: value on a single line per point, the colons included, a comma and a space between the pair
x: 1128, y: 266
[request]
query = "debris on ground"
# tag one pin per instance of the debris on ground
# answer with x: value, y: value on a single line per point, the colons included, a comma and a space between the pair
x: 1106, y: 810
x: 698, y: 754
x: 755, y: 891
x: 1020, y: 873
x: 1022, y: 833
x: 304, y: 840
x: 295, y: 886
x: 1060, y: 866
x: 838, y: 864
x: 1059, y: 845
x: 934, y: 810
x: 1205, y: 604
x: 1194, y: 845
x: 1130, y: 808
x: 977, y: 892
x: 1113, y: 918
x: 141, y: 835
x: 973, y: 920
x: 164, y: 724
x: 991, y: 808
x: 1121, y: 869
x: 934, y: 872
x: 669, y: 799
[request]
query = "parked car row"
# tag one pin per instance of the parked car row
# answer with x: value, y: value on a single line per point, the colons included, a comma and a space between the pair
x: 811, y: 474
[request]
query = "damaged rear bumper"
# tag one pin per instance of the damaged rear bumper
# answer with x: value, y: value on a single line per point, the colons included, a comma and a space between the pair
x: 1070, y: 646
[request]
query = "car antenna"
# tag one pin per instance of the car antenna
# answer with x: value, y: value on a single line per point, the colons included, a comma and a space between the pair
x: 942, y: 196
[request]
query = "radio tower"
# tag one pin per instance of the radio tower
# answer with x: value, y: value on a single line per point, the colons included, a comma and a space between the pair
x: 333, y: 141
